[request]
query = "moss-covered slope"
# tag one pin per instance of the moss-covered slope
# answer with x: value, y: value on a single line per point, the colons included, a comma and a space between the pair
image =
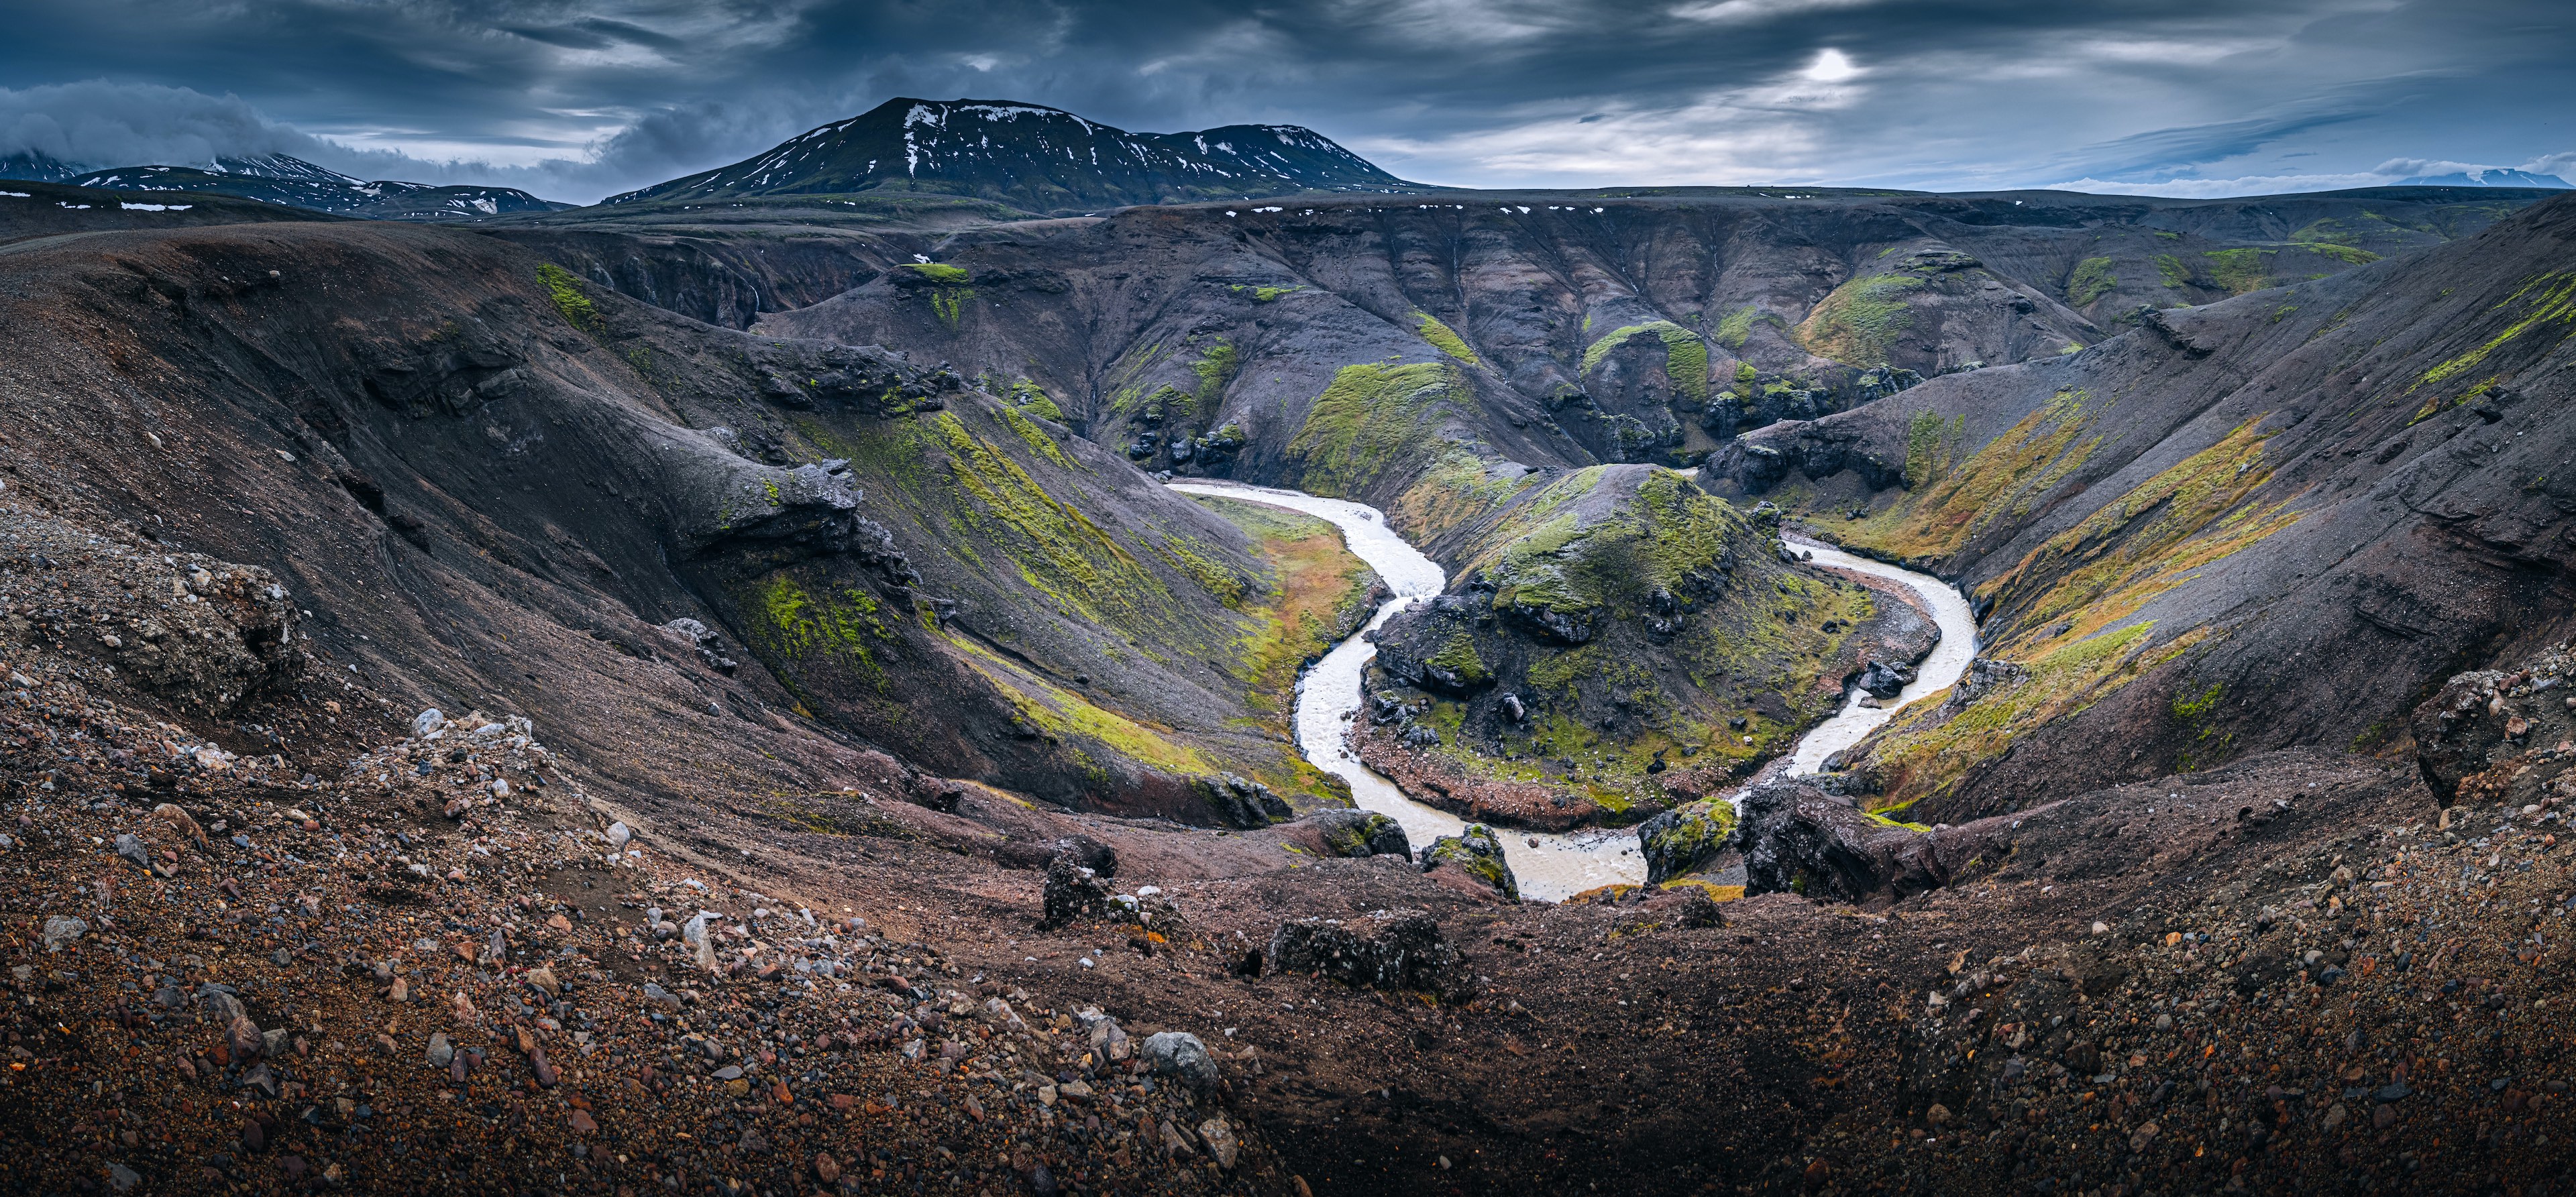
x: 2272, y: 521
x: 1616, y: 639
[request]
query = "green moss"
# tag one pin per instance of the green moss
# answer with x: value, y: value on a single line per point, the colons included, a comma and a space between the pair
x: 2552, y: 300
x: 2188, y: 709
x: 1058, y: 549
x: 2091, y: 280
x: 1457, y: 658
x: 1925, y: 751
x: 2238, y: 271
x: 564, y: 288
x: 1035, y: 436
x: 950, y: 304
x: 1738, y: 325
x: 1860, y: 321
x: 1371, y: 421
x: 1216, y: 369
x: 1927, y: 456
x: 1188, y: 556
x: 1033, y: 398
x: 2172, y: 271
x: 1445, y: 338
x: 1267, y: 294
x: 942, y: 273
x: 794, y: 623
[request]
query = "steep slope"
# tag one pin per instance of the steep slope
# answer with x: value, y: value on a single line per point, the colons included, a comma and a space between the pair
x: 1032, y: 157
x: 522, y: 490
x: 2277, y: 520
x: 293, y: 182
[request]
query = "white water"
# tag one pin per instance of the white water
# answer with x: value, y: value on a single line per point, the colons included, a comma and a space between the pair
x: 1555, y: 866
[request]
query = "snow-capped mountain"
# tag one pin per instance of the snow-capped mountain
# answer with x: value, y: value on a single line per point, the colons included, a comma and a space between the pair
x: 1033, y: 157
x: 2493, y: 176
x: 295, y: 183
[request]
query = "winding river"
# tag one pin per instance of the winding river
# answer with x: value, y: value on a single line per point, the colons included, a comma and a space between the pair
x: 1550, y: 867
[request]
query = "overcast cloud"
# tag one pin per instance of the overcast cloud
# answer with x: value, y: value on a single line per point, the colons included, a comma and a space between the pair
x: 576, y: 99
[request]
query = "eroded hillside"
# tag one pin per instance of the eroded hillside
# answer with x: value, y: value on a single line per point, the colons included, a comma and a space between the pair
x: 2281, y: 519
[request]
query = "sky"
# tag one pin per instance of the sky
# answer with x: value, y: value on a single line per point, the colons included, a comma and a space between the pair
x: 579, y: 99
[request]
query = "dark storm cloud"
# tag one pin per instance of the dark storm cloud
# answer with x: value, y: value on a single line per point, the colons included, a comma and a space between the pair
x: 576, y: 98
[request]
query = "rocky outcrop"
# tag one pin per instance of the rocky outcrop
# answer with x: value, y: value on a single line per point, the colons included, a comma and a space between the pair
x: 1681, y: 841
x: 2501, y: 735
x: 1072, y: 892
x: 1361, y: 833
x: 1797, y: 838
x: 1385, y: 949
x: 1475, y: 853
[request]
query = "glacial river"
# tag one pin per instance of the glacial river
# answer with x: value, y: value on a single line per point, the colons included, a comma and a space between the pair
x: 1549, y: 866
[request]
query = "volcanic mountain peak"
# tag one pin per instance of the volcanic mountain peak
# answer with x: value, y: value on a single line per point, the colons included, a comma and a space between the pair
x: 1033, y: 156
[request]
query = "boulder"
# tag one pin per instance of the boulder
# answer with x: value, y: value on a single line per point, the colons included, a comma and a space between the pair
x: 1387, y: 949
x: 1181, y: 1056
x: 1881, y: 680
x: 1478, y: 853
x: 1681, y: 841
x: 1354, y: 833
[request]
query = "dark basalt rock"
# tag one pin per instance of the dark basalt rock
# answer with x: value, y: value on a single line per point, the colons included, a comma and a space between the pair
x: 1386, y: 949
x: 1357, y: 833
x: 1477, y: 852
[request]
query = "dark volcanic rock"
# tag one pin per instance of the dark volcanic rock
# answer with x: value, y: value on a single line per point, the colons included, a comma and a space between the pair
x: 1476, y: 853
x: 1800, y: 839
x: 1387, y: 949
x: 1361, y: 833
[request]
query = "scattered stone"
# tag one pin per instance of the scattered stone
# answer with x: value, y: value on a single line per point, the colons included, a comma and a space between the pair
x: 1180, y: 1054
x: 62, y: 931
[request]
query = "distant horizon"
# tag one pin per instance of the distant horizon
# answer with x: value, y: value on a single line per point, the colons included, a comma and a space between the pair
x: 576, y: 100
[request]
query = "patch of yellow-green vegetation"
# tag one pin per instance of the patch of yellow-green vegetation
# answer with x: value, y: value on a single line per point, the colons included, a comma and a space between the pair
x: 942, y: 273
x: 1685, y: 354
x: 1919, y: 754
x: 2150, y: 540
x: 1457, y: 658
x: 2189, y: 709
x: 1556, y: 562
x: 1031, y: 397
x: 2238, y: 271
x: 950, y: 304
x: 1459, y: 485
x: 1716, y: 892
x: 2352, y: 254
x: 1186, y: 555
x: 1445, y: 338
x: 2091, y: 280
x: 1216, y: 369
x: 564, y: 288
x: 2552, y: 300
x: 1372, y: 421
x: 1320, y: 589
x: 1066, y: 715
x: 1859, y: 322
x: 1929, y: 441
x: 1736, y: 326
x: 1036, y: 437
x: 2004, y: 479
x: 793, y: 622
x: 1059, y: 551
x: 2173, y: 271
x: 2331, y: 238
x: 1266, y: 294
